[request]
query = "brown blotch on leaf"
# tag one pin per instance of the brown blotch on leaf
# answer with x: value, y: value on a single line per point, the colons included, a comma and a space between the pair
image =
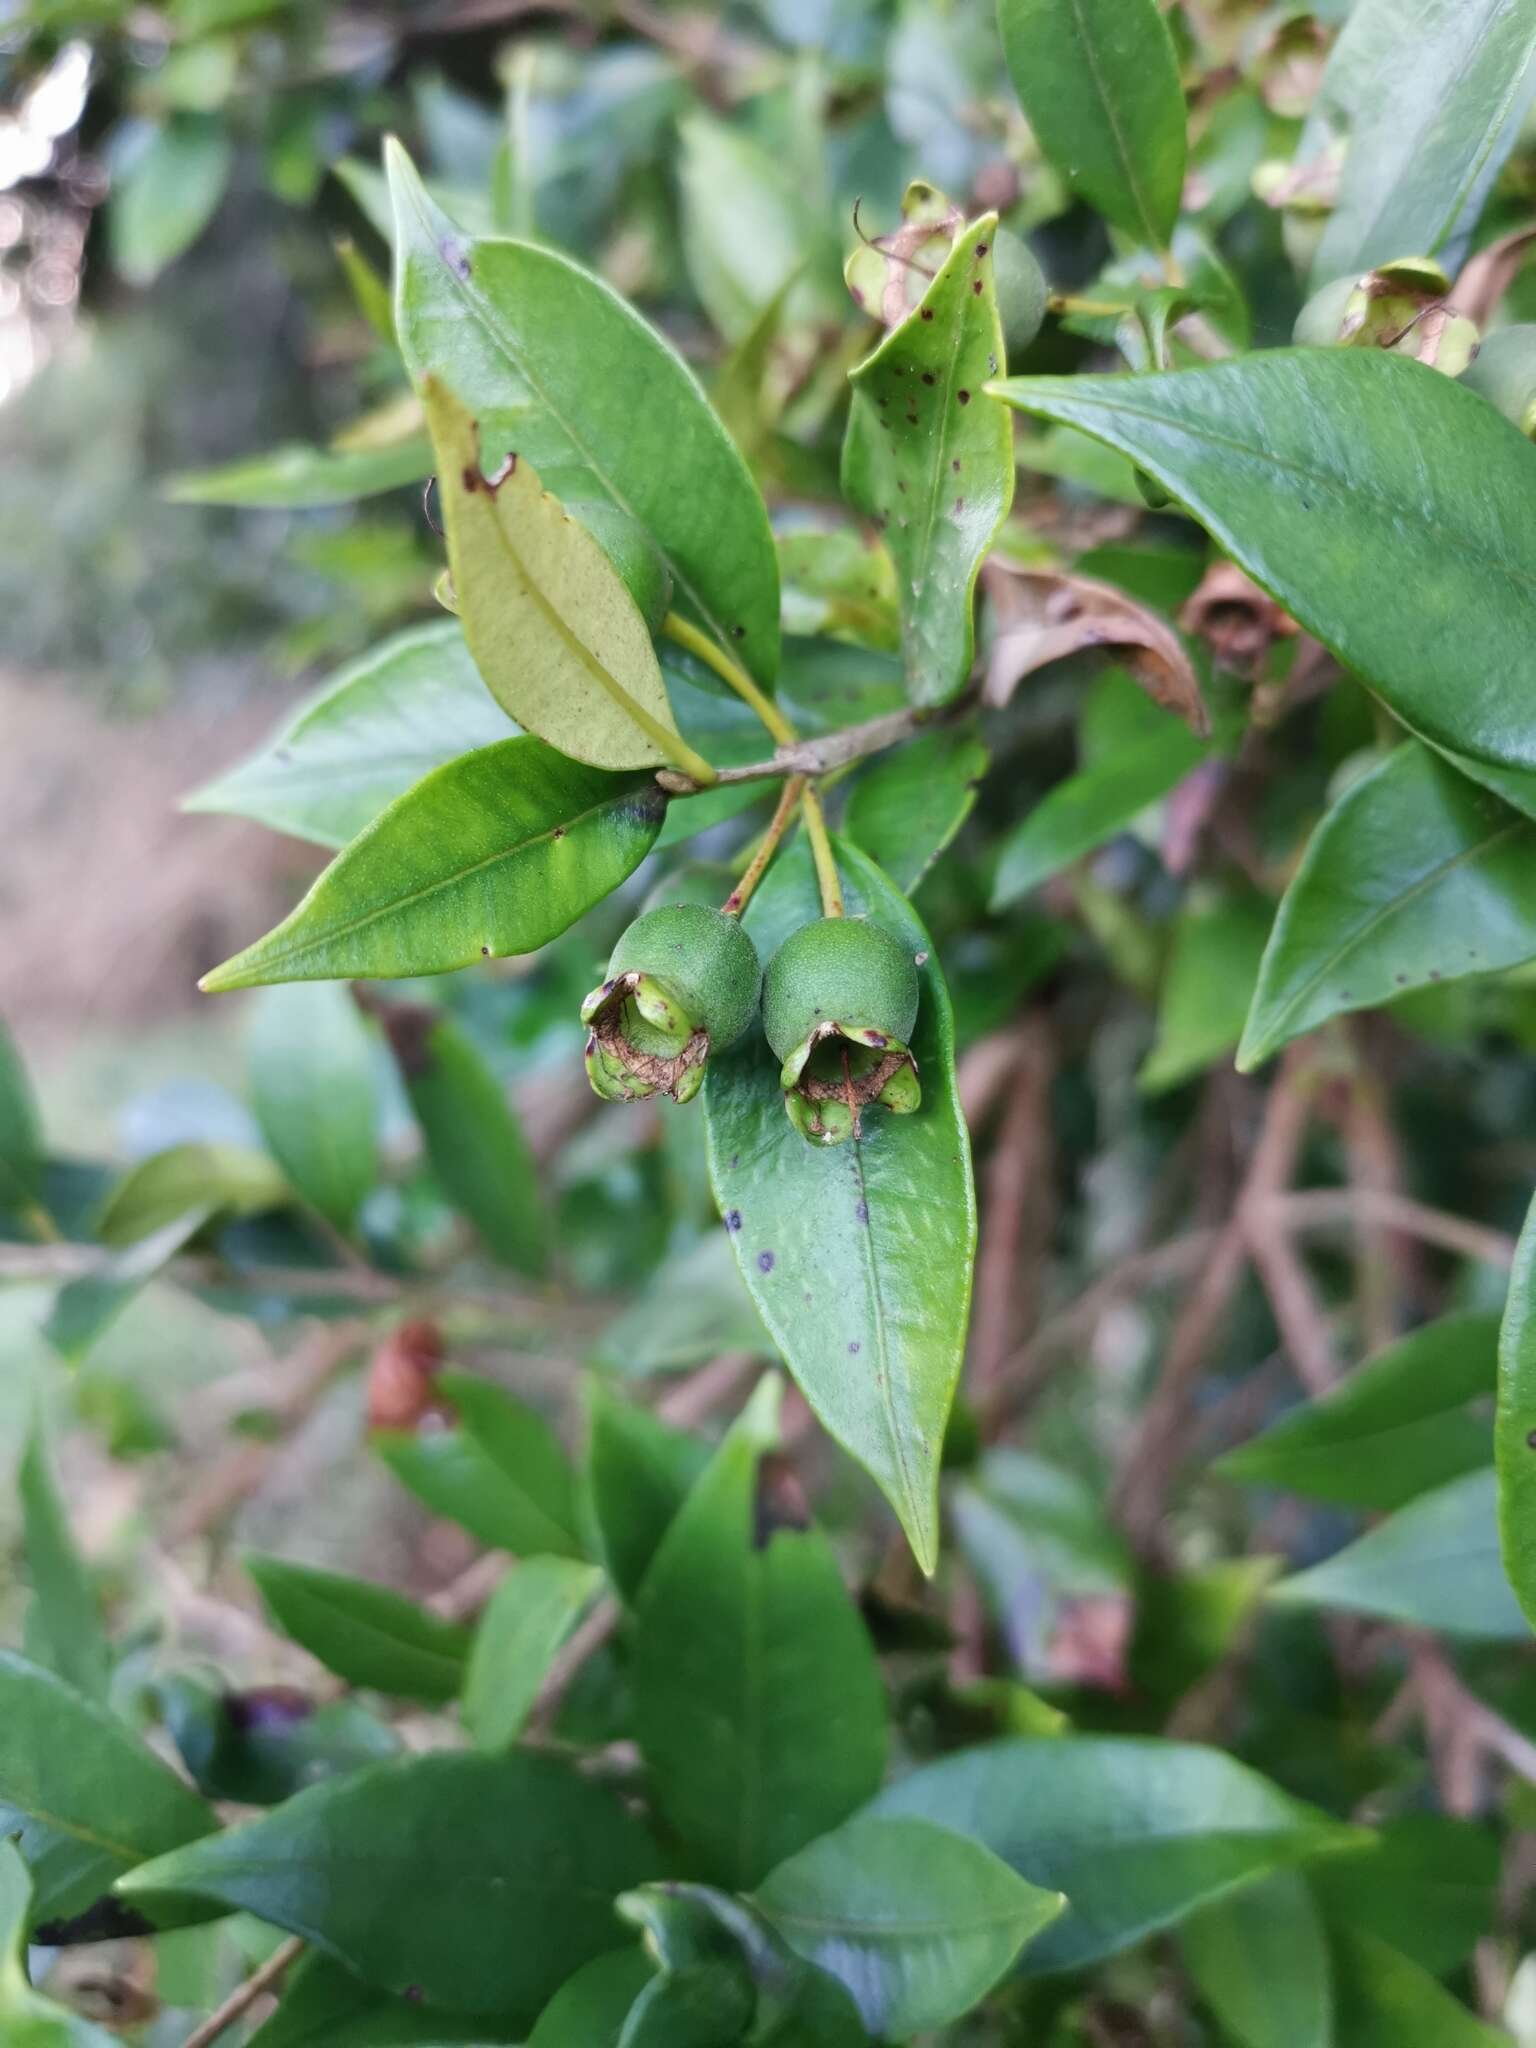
x: 778, y: 1500
x: 927, y: 312
x: 964, y: 397
x: 976, y: 286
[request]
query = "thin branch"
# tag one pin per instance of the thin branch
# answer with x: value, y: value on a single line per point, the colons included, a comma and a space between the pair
x: 1013, y: 1207
x: 832, y: 750
x: 244, y: 1996
x: 1322, y: 1208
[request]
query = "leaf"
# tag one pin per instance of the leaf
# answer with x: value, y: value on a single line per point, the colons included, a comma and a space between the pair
x: 1081, y: 814
x: 496, y: 853
x: 367, y: 1634
x: 28, y: 2020
x: 1045, y: 615
x: 931, y: 463
x: 456, y: 1849
x: 325, y: 2006
x: 529, y: 1616
x: 1414, y: 876
x: 879, y: 1233
x: 1260, y: 1961
x: 499, y: 1469
x: 1426, y: 1884
x: 1429, y: 99
x: 1136, y: 1831
x: 1100, y: 85
x: 639, y: 1472
x: 707, y: 2004
x: 1515, y: 1422
x: 363, y: 738
x: 1386, y: 2001
x: 758, y: 1702
x: 205, y: 1180
x: 475, y: 1144
x: 589, y: 2010
x: 260, y: 1747
x: 748, y: 223
x: 83, y: 1798
x: 63, y: 1629
x: 1390, y: 1430
x: 310, y: 1057
x: 907, y: 808
x: 1435, y: 1564
x: 166, y: 188
x: 553, y: 630
x: 1207, y: 983
x: 919, y: 1923
x: 1370, y: 496
x: 297, y: 477
x: 21, y: 1137
x: 694, y: 1307
x: 85, y: 1307
x: 614, y: 415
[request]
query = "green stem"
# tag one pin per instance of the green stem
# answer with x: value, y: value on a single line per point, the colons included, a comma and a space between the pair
x: 688, y: 635
x: 821, y: 852
x: 767, y: 846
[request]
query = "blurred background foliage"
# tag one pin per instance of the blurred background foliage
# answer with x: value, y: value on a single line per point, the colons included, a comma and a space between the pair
x: 190, y: 265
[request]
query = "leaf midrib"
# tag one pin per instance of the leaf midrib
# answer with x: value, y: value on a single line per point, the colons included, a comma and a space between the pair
x: 1112, y: 120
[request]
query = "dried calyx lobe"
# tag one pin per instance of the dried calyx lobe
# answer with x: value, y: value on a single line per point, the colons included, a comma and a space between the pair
x: 682, y: 983
x: 839, y: 1002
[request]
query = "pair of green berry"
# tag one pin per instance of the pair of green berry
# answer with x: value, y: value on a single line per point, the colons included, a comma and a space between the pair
x: 839, y: 1000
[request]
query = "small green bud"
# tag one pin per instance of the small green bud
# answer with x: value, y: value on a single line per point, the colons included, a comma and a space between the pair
x: 839, y: 1002
x: 632, y: 552
x: 1321, y: 319
x: 1504, y: 372
x: 682, y: 983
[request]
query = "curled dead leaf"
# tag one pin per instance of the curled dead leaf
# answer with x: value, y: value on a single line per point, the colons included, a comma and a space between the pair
x: 401, y: 1378
x: 1237, y: 620
x: 1046, y: 614
x: 1487, y: 276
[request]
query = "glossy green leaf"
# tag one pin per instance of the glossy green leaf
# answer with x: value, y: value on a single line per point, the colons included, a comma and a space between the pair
x: 1260, y: 1960
x: 557, y: 636
x: 904, y: 811
x: 475, y: 1144
x: 498, y: 1469
x: 639, y: 1472
x: 1434, y: 1564
x: 28, y: 2020
x: 206, y: 1180
x: 589, y: 2010
x: 1395, y: 1427
x: 1385, y: 2000
x: 389, y: 718
x: 458, y: 1850
x: 367, y: 1634
x: 695, y: 1307
x: 296, y: 477
x: 707, y: 2004
x: 21, y: 1137
x: 1427, y: 100
x: 1100, y: 85
x: 529, y: 1616
x: 1515, y: 1422
x: 258, y: 1748
x: 758, y: 1702
x: 83, y: 1798
x: 918, y: 1922
x: 165, y: 188
x: 930, y: 461
x: 1426, y: 1884
x: 1105, y: 796
x: 1375, y: 498
x: 1416, y: 875
x: 326, y: 2006
x: 874, y: 1238
x: 1137, y: 1832
x: 1213, y: 963
x: 63, y: 1628
x: 617, y: 418
x: 746, y: 225
x: 311, y: 1062
x: 495, y: 853
x: 86, y: 1307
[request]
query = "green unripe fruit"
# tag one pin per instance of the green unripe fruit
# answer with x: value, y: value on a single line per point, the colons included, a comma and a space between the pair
x: 682, y: 983
x: 632, y: 552
x: 1504, y: 372
x: 839, y: 1002
x: 1321, y: 319
x: 1021, y: 291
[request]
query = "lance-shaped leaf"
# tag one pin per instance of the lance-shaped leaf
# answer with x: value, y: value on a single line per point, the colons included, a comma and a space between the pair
x: 553, y: 630
x: 859, y: 1256
x: 758, y: 1702
x: 1416, y: 875
x: 905, y: 810
x: 1100, y: 84
x: 63, y: 1628
x: 363, y: 738
x: 1515, y: 1425
x: 1385, y: 1999
x: 295, y: 477
x: 1260, y: 1961
x: 326, y: 2006
x: 414, y: 1874
x: 368, y: 1635
x: 496, y: 853
x: 1380, y: 502
x: 310, y: 1057
x: 930, y: 460
x: 28, y: 2020
x: 529, y: 1616
x: 555, y: 364
x: 21, y: 1137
